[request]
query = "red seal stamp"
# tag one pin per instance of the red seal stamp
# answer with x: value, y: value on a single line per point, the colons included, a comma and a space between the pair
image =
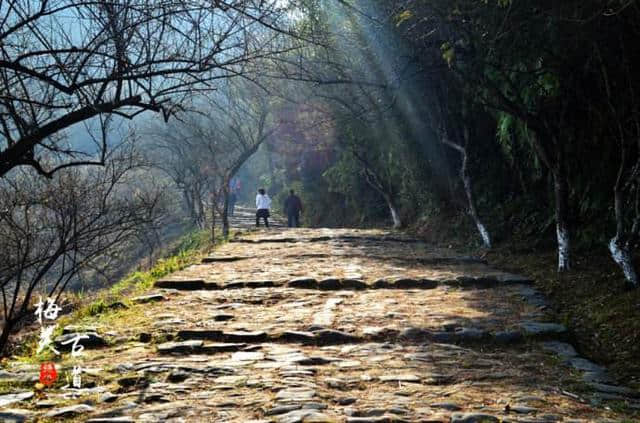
x: 48, y: 373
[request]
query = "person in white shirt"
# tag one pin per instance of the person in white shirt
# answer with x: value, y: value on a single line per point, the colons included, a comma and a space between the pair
x: 263, y: 203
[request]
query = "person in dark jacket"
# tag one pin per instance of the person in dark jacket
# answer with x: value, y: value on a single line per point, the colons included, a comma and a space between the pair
x: 293, y: 208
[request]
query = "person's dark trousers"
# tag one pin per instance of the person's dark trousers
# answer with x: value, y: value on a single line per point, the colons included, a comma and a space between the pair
x: 293, y: 220
x: 232, y: 208
x: 266, y: 221
x: 262, y: 213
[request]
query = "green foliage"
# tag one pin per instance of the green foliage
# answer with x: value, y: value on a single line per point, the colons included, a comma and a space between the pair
x: 505, y: 125
x: 515, y: 140
x: 26, y: 352
x: 448, y: 53
x: 403, y: 17
x: 549, y: 84
x: 97, y: 307
x: 193, y: 241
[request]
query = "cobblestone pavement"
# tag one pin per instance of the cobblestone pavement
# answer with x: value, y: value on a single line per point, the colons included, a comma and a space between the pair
x: 324, y: 325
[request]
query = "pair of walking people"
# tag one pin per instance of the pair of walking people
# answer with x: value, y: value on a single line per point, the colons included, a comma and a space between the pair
x: 292, y: 208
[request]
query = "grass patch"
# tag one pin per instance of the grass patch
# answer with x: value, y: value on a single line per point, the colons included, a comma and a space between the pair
x: 11, y: 387
x: 26, y: 352
x: 100, y: 310
x: 187, y: 251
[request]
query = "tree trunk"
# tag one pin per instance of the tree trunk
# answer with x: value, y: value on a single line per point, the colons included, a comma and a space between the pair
x: 623, y: 257
x: 466, y: 181
x: 397, y: 221
x: 374, y: 181
x: 563, y: 233
x: 4, y: 336
x: 213, y: 219
x: 200, y: 210
x: 619, y: 247
x: 272, y: 166
x: 225, y: 211
x: 191, y: 207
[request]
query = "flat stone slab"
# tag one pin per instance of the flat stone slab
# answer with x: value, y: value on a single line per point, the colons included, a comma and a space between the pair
x: 406, y: 283
x: 303, y: 283
x: 541, y: 329
x: 446, y: 406
x: 470, y: 334
x: 17, y: 377
x: 70, y: 411
x: 298, y: 337
x: 222, y: 317
x: 511, y: 278
x: 231, y: 380
x: 15, y: 415
x: 220, y: 347
x: 211, y: 335
x: 562, y: 349
x: 353, y: 284
x: 133, y: 381
x: 330, y: 284
x: 223, y: 259
x: 87, y: 340
x: 179, y: 347
x: 306, y: 416
x: 294, y: 395
x: 266, y: 240
x: 415, y: 334
x: 17, y: 397
x: 473, y: 418
x: 409, y: 378
x: 282, y: 409
x: 181, y: 284
x: 247, y: 356
x: 612, y: 389
x: 585, y: 365
x: 108, y: 397
x: 377, y: 419
x: 242, y: 336
x: 522, y: 409
x: 148, y: 298
x: 332, y: 337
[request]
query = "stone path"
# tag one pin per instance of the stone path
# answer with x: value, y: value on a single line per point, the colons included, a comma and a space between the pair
x: 334, y: 326
x: 245, y: 218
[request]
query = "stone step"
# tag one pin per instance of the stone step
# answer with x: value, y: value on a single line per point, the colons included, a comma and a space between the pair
x: 181, y: 284
x: 435, y: 261
x: 522, y: 332
x: 223, y: 259
x: 265, y: 240
x: 342, y: 238
x: 340, y: 284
